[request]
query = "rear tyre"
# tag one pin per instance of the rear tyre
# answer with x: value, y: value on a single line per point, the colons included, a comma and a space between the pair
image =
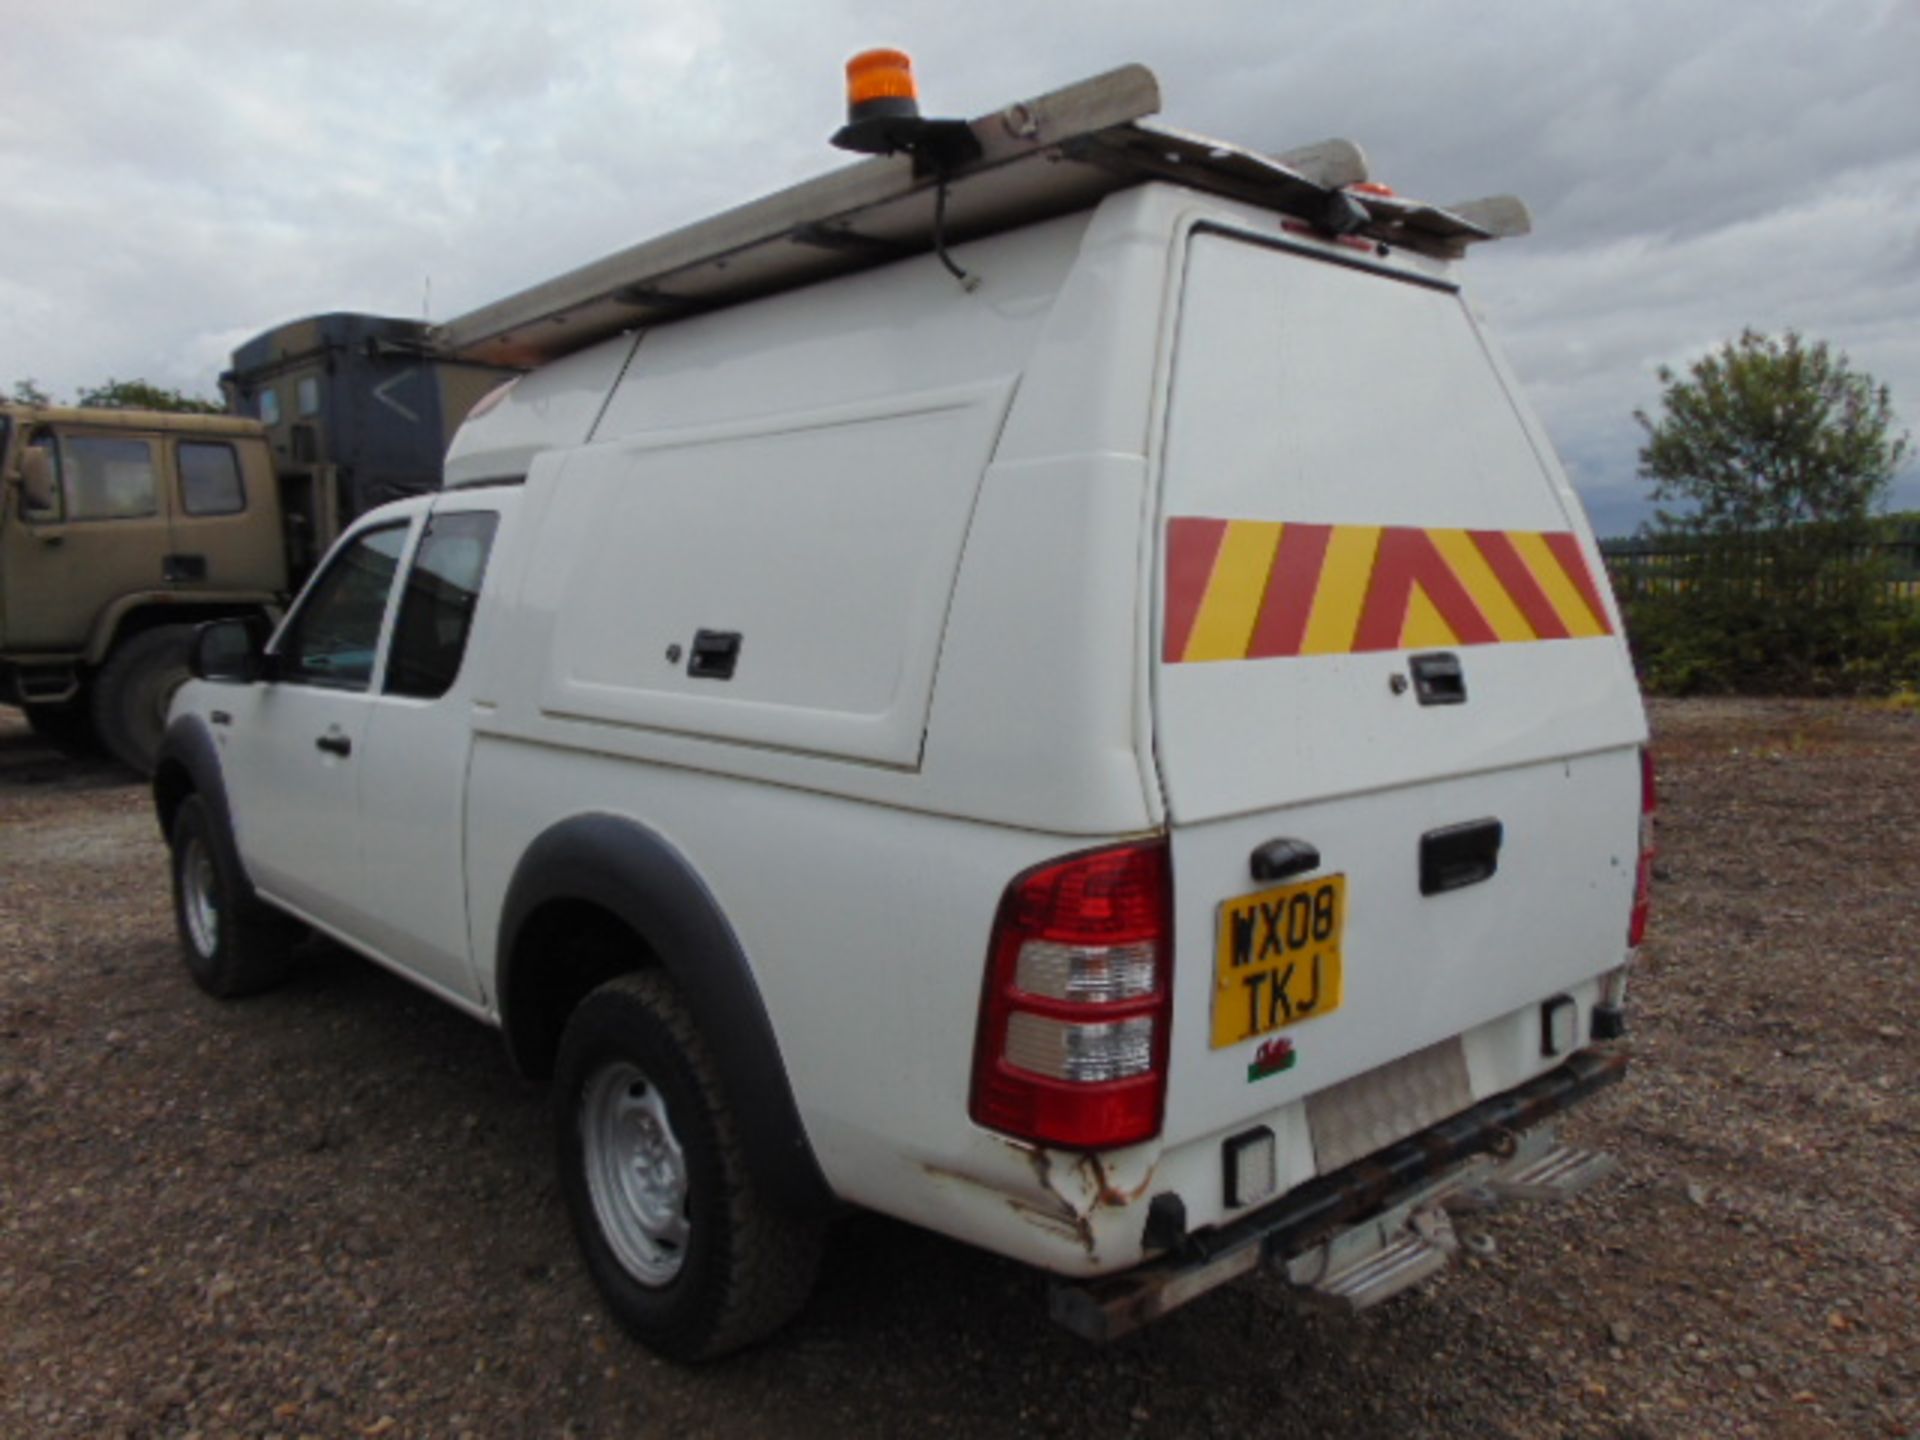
x: 688, y: 1254
x: 68, y: 728
x: 135, y: 687
x: 234, y: 944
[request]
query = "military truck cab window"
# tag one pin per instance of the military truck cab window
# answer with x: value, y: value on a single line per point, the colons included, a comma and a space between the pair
x: 269, y: 406
x: 210, y: 479
x: 436, y: 608
x: 307, y: 394
x: 104, y: 477
x: 333, y: 638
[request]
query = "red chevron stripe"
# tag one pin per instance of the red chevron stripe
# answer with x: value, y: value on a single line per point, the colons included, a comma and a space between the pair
x: 1193, y: 544
x: 1566, y: 550
x: 1295, y: 578
x: 1512, y: 572
x: 1407, y: 558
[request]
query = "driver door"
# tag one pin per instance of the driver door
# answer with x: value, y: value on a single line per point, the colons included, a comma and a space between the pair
x: 103, y: 536
x: 294, y: 759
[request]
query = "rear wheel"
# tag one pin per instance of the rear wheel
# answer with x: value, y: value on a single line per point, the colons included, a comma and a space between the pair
x: 233, y: 943
x: 688, y: 1254
x: 134, y: 688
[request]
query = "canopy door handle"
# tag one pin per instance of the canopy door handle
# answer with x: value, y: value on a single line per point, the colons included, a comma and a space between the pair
x: 1279, y: 859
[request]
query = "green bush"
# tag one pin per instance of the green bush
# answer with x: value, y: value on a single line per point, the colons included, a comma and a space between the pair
x: 1807, y: 612
x: 1772, y: 574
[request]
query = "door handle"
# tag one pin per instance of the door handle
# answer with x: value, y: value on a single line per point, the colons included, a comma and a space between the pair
x: 334, y: 744
x: 1460, y: 855
x: 715, y: 653
x: 1277, y: 859
x: 1438, y: 679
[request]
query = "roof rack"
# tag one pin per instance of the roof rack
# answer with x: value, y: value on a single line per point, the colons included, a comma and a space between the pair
x: 1039, y: 158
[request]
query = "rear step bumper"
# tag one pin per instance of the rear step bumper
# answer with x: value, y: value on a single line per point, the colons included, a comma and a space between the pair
x: 1394, y: 1186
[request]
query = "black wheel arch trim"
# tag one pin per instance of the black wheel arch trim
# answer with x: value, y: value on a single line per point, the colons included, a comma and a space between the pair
x: 189, y: 744
x: 628, y: 870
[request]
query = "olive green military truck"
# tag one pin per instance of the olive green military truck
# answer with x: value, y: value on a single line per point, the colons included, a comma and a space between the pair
x: 121, y: 530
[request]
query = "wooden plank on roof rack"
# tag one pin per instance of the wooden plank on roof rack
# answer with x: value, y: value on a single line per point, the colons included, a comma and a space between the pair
x: 1040, y: 158
x: 762, y: 246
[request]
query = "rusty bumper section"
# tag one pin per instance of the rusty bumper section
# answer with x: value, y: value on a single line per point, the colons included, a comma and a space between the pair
x: 1109, y: 1307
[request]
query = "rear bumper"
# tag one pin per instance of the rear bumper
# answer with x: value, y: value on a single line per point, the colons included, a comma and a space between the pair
x: 1105, y: 1308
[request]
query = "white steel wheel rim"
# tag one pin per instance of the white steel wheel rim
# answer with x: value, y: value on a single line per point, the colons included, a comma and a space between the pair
x: 200, y: 898
x: 636, y: 1172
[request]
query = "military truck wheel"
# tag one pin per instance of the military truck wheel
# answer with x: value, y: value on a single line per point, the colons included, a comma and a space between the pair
x: 233, y: 943
x: 134, y: 688
x: 688, y: 1254
x: 68, y: 728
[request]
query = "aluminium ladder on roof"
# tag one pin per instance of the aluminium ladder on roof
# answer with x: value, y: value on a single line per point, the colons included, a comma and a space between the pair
x: 1039, y: 158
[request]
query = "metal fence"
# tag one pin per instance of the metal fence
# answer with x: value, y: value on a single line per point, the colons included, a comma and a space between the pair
x: 1761, y: 565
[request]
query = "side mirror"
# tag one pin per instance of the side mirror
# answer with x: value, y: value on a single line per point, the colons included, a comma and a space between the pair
x: 37, y: 493
x: 231, y: 652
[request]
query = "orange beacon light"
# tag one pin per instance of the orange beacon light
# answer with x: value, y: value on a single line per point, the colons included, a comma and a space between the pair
x: 883, y: 116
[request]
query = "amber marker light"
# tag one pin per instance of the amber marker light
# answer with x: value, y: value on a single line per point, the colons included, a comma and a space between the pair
x: 880, y: 75
x: 883, y: 116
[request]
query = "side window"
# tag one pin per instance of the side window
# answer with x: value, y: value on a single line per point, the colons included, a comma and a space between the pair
x: 107, y: 478
x: 436, y: 608
x: 269, y: 403
x: 332, y: 640
x: 307, y: 395
x: 210, y: 479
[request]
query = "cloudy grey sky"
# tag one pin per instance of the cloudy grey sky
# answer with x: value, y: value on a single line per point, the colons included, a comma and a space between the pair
x: 177, y: 178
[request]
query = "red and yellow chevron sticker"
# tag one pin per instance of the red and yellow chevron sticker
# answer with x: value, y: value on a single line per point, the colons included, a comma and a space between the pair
x: 1258, y: 589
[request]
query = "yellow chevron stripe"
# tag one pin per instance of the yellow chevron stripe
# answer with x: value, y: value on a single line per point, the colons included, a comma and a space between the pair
x: 1224, y: 627
x: 1463, y: 557
x: 1547, y: 573
x: 1343, y: 590
x: 1424, y: 628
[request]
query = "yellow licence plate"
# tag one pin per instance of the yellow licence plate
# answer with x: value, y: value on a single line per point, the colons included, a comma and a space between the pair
x: 1278, y: 958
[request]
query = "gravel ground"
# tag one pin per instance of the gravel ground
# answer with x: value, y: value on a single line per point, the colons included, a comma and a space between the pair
x: 330, y: 1211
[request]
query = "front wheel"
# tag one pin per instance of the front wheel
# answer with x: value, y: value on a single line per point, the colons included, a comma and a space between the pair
x: 233, y: 943
x: 690, y: 1257
x: 135, y: 687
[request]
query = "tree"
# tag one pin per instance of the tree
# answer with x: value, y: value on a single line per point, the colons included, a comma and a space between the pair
x: 142, y: 395
x: 1779, y: 454
x: 28, y: 392
x: 1768, y: 433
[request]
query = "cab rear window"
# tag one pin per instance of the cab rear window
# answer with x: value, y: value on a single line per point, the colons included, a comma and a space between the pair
x: 210, y: 479
x: 436, y: 608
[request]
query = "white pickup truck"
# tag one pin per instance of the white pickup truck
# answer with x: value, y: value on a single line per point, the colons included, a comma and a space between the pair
x: 1129, y: 760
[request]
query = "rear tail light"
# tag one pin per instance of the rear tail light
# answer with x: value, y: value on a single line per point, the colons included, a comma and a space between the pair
x: 1643, y: 871
x: 1072, y: 1046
